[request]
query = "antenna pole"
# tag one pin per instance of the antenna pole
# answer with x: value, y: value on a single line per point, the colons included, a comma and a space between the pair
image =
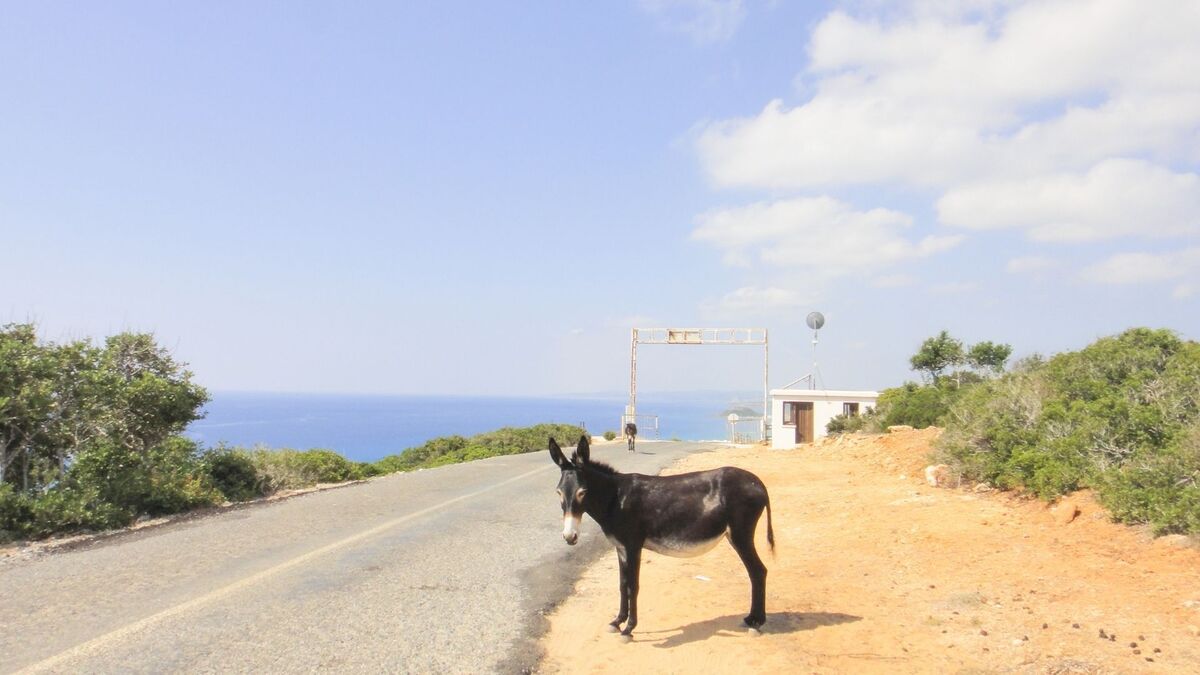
x: 814, y: 320
x: 812, y: 380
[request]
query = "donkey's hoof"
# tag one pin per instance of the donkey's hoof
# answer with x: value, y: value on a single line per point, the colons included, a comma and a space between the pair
x: 754, y: 632
x: 611, y: 628
x: 626, y: 638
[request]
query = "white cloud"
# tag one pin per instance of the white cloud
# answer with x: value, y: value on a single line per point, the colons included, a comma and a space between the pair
x: 822, y: 236
x: 1115, y: 198
x: 1062, y: 120
x: 935, y: 98
x: 705, y: 21
x: 805, y: 243
x: 1030, y: 264
x: 754, y: 300
x: 1142, y: 268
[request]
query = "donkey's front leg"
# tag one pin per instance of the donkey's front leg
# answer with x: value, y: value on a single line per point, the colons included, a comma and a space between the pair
x: 623, y: 612
x: 633, y: 569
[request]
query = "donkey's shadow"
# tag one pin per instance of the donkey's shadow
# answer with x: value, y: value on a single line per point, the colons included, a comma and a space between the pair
x: 731, y: 625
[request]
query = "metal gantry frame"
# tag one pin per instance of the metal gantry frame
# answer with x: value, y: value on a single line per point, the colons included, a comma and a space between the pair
x: 698, y: 336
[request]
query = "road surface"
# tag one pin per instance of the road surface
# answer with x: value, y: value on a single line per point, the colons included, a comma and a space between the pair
x: 443, y: 570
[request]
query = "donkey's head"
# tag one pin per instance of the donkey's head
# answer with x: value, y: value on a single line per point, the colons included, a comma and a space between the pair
x: 572, y: 486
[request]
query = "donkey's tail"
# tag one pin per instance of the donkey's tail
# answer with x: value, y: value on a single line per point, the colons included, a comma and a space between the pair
x: 770, y: 531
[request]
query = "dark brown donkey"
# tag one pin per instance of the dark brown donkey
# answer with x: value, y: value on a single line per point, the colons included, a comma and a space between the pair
x: 682, y: 516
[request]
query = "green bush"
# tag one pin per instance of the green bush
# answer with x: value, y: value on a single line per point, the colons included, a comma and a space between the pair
x: 72, y: 510
x: 109, y: 485
x: 167, y: 478
x: 233, y: 472
x: 869, y: 421
x: 456, y: 449
x: 293, y: 469
x: 327, y: 466
x: 916, y: 405
x: 16, y: 512
x: 62, y: 509
x: 1120, y: 416
x: 610, y: 435
x: 1161, y: 489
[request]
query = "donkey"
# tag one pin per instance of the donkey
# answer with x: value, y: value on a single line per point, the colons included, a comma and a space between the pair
x: 682, y: 516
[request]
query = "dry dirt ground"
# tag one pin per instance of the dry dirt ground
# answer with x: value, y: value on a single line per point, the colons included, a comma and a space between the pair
x: 875, y: 571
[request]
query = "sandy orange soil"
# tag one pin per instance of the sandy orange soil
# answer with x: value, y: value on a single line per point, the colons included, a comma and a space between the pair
x: 876, y: 571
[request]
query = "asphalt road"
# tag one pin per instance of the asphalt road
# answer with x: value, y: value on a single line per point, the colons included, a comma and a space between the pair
x: 443, y: 570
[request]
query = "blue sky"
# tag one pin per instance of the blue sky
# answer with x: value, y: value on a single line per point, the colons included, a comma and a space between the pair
x: 485, y: 198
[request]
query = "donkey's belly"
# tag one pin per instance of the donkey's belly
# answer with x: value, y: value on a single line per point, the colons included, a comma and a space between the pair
x: 679, y: 548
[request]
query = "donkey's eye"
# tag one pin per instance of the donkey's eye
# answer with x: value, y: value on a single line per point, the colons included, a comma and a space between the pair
x: 559, y: 493
x: 579, y: 494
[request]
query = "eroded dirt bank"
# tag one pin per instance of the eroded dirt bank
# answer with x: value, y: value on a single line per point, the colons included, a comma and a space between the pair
x: 875, y: 571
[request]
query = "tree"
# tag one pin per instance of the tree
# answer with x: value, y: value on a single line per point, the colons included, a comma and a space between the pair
x: 988, y: 356
x: 937, y: 354
x: 152, y: 396
x: 25, y: 397
x: 58, y: 399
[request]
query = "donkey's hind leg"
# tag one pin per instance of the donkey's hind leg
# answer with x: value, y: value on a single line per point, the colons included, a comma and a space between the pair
x: 742, y: 539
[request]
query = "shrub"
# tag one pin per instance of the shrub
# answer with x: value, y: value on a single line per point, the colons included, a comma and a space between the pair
x: 233, y: 472
x: 166, y: 478
x: 1161, y: 489
x: 293, y: 469
x: 610, y: 435
x: 869, y: 421
x: 327, y: 466
x: 61, y: 509
x: 16, y: 512
x: 70, y: 509
x: 1121, y: 416
x: 455, y: 449
x: 916, y: 405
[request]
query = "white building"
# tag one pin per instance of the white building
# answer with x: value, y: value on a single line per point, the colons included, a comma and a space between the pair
x: 800, y: 415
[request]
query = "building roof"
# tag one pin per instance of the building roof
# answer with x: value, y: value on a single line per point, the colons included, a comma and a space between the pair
x: 822, y: 393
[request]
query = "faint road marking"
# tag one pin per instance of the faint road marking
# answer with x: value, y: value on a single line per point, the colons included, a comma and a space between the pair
x: 98, y: 643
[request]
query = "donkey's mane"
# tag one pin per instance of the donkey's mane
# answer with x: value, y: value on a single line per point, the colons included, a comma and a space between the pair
x: 596, y: 465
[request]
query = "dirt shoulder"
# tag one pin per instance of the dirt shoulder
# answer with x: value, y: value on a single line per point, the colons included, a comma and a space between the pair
x: 875, y: 571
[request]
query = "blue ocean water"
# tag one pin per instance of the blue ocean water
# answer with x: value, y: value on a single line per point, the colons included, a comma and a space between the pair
x: 369, y: 427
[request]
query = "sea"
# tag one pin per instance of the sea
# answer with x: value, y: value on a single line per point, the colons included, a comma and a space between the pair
x: 369, y: 427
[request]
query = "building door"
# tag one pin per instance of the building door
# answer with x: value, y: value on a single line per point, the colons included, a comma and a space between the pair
x: 804, y: 422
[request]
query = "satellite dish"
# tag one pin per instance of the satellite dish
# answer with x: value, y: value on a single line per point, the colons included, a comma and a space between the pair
x: 815, y: 320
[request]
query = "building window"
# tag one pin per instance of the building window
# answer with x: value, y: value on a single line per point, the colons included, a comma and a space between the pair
x: 850, y: 409
x: 789, y: 413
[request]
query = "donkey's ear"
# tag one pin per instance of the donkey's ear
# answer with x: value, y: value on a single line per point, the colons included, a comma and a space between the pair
x: 583, y: 449
x: 557, y: 455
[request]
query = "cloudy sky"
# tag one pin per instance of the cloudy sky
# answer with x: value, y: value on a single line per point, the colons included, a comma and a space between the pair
x: 479, y: 198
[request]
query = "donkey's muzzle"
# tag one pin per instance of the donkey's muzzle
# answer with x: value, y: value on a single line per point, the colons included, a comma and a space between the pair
x: 570, y: 528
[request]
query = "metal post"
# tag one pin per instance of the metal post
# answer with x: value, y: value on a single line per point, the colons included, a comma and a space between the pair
x: 766, y: 391
x: 632, y: 379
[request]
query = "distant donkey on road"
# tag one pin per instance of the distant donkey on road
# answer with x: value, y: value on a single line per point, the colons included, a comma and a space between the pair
x: 631, y: 434
x: 682, y: 516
